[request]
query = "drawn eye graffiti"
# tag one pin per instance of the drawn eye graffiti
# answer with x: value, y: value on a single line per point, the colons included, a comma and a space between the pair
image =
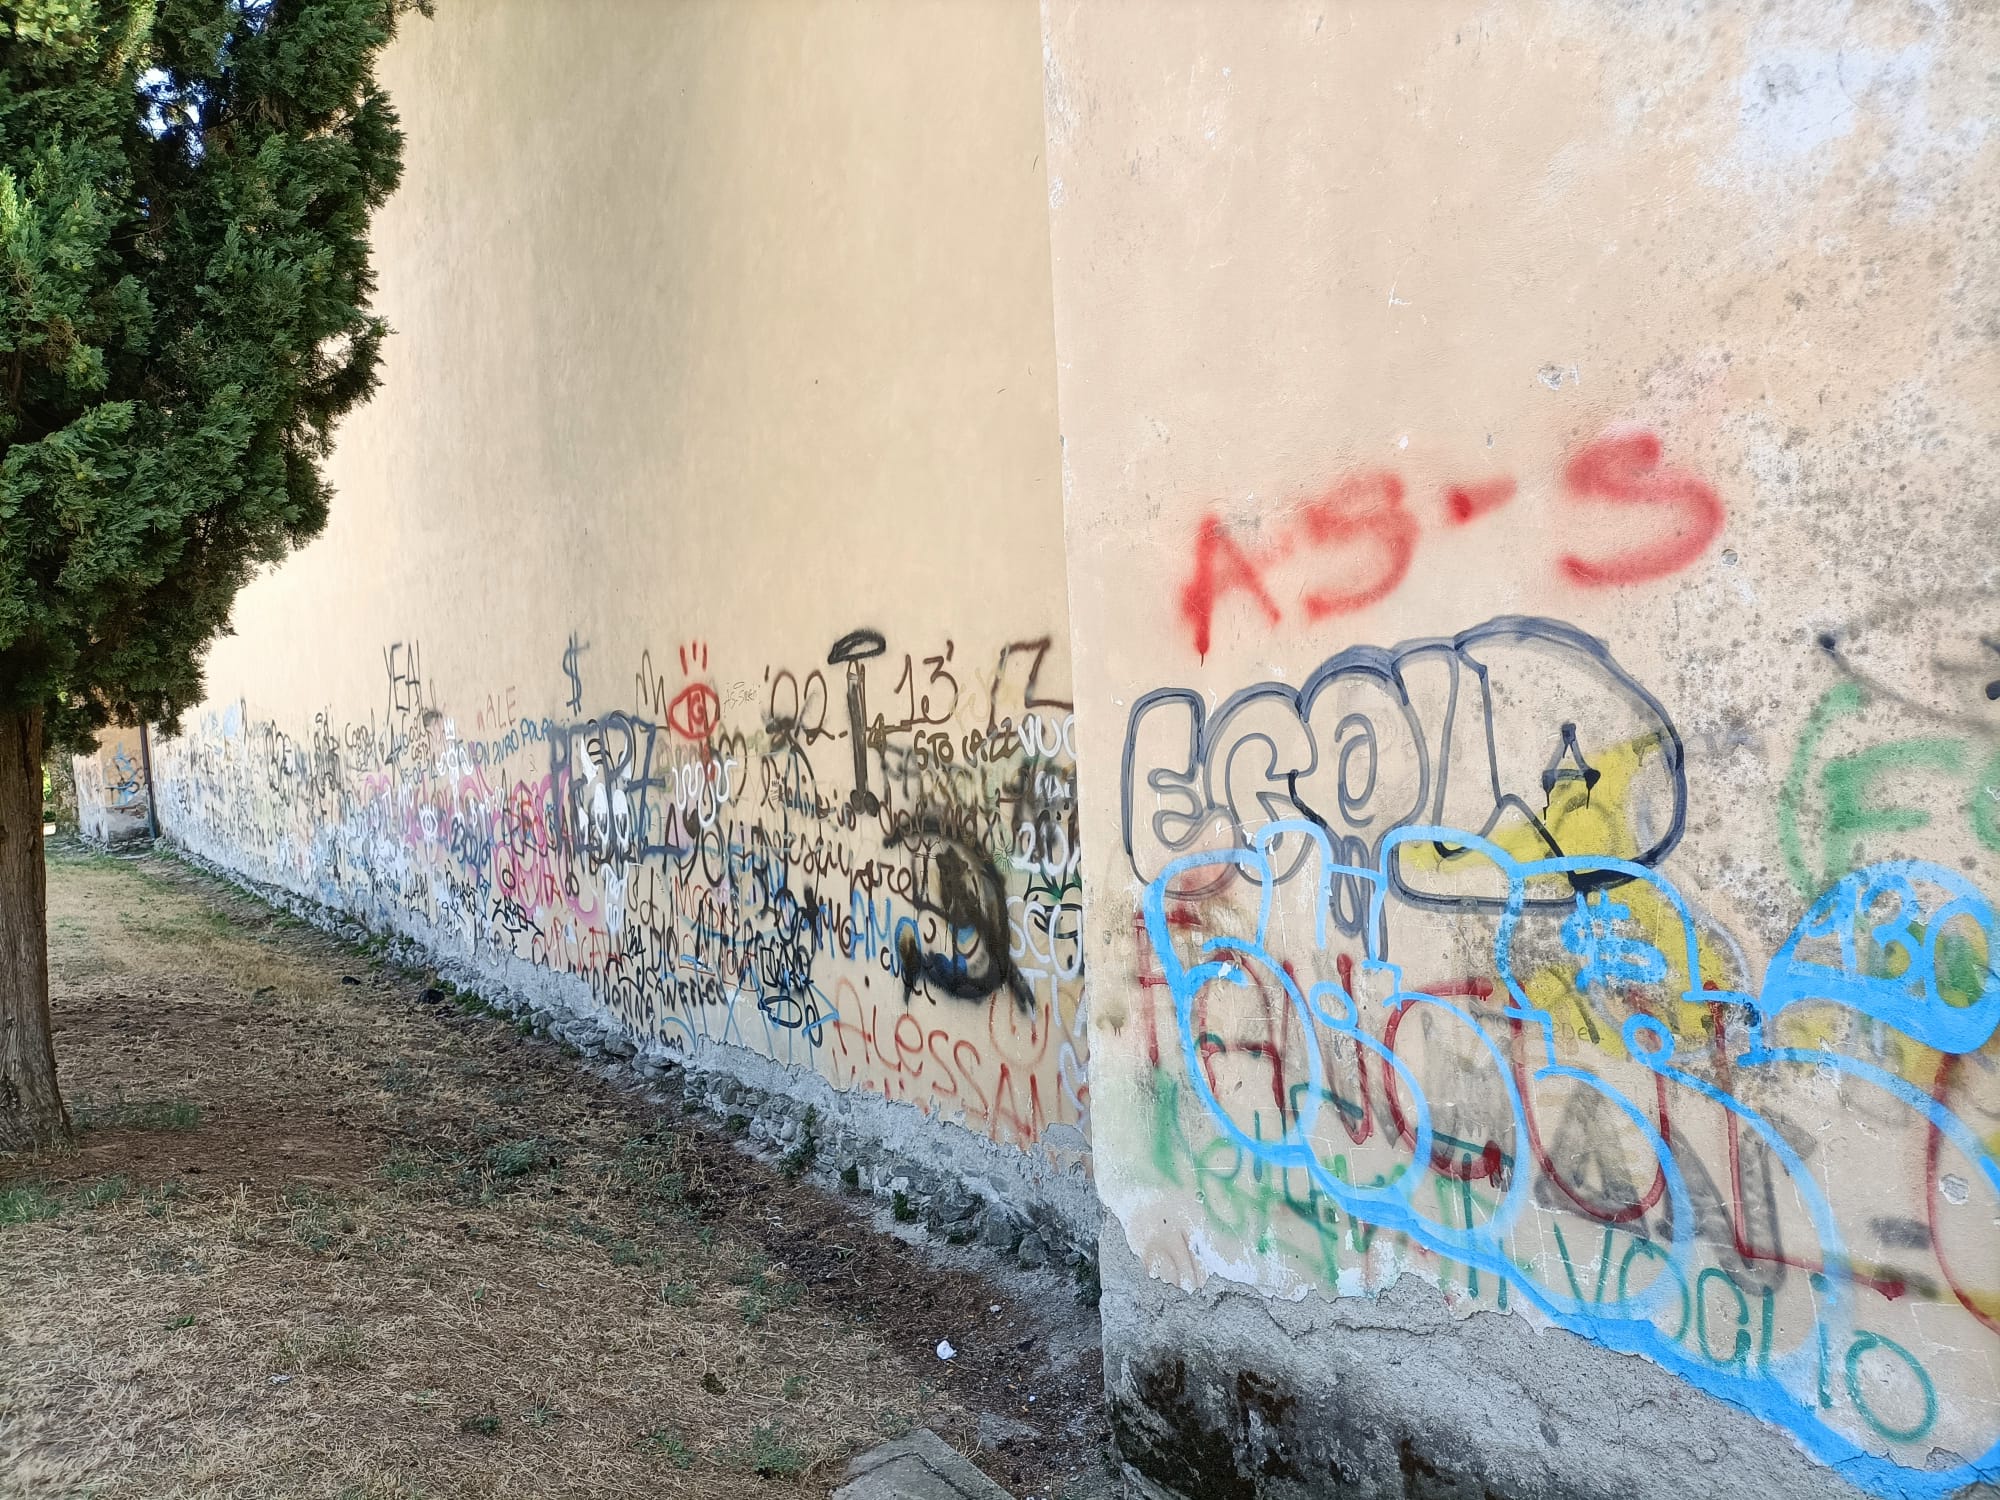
x: 695, y: 713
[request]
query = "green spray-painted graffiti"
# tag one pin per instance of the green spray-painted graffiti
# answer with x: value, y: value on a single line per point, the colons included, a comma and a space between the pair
x: 1854, y: 799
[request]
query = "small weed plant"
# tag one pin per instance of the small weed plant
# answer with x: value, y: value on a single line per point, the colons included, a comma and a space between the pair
x: 665, y: 1443
x: 771, y: 1454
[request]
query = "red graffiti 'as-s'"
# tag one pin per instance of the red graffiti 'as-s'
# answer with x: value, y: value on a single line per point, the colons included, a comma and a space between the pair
x: 1624, y: 469
x: 1467, y: 502
x: 1367, y: 512
x: 1219, y: 566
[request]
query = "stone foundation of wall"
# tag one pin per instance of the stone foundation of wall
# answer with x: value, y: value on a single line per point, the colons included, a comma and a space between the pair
x: 1392, y: 1398
x: 963, y: 1188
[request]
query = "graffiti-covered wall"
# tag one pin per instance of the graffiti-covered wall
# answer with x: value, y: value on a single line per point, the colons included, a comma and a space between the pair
x: 1533, y: 541
x: 112, y: 800
x: 1505, y: 633
x: 689, y: 646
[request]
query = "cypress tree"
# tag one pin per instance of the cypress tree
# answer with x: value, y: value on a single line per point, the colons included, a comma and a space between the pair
x: 185, y: 194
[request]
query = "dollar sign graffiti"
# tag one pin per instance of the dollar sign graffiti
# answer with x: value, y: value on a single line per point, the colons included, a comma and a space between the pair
x: 575, y: 678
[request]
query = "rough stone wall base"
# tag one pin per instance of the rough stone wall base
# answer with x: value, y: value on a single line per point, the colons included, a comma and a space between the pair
x: 1391, y: 1398
x: 964, y: 1187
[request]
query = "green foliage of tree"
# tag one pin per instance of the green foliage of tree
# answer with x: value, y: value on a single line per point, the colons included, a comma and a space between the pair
x: 185, y: 194
x: 185, y: 190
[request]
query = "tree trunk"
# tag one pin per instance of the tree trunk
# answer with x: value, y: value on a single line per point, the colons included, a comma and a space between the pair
x: 32, y: 1116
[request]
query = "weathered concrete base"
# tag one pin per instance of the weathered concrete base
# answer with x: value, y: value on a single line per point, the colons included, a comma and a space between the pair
x: 964, y: 1187
x: 961, y: 1194
x: 1366, y: 1399
x: 113, y: 827
x: 918, y: 1467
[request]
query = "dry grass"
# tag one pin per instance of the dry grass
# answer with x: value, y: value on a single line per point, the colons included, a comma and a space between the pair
x: 319, y: 1239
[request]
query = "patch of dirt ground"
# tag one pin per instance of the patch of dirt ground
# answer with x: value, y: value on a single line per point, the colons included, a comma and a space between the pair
x: 330, y: 1231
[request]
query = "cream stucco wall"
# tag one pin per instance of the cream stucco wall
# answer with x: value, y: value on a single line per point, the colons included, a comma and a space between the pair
x: 1632, y: 369
x: 723, y: 337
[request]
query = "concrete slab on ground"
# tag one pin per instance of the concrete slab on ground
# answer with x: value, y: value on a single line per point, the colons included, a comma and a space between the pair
x: 918, y: 1467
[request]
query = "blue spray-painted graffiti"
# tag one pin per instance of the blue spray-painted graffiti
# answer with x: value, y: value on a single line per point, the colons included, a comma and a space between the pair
x: 124, y: 786
x: 1905, y: 945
